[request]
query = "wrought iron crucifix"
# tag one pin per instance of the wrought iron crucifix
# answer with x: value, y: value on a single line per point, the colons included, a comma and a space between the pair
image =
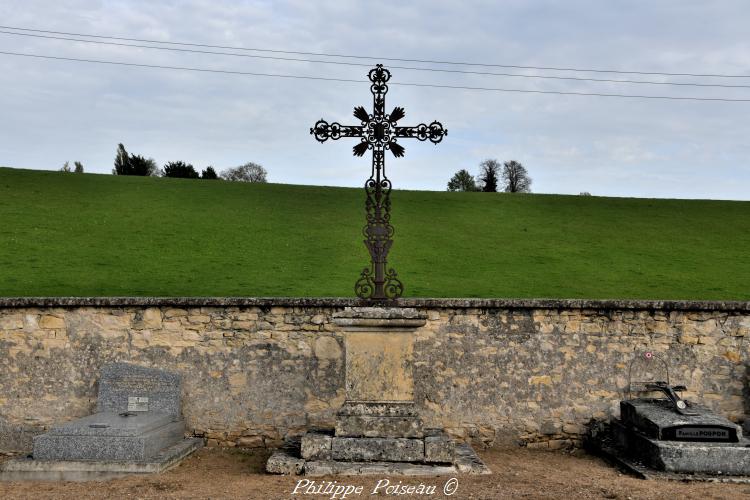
x: 378, y: 132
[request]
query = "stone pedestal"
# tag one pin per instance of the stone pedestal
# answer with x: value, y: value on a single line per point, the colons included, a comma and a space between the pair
x: 378, y: 429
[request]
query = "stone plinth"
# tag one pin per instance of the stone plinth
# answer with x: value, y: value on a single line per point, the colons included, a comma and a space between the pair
x: 379, y: 345
x: 379, y: 419
x: 378, y: 429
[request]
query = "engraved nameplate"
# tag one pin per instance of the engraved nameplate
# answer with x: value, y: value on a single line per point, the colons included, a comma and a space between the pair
x: 702, y: 433
x: 137, y: 404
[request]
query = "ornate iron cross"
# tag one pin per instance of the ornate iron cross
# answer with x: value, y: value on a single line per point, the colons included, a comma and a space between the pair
x: 378, y: 132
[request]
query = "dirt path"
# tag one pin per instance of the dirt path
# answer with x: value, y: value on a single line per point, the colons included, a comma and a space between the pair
x: 519, y: 473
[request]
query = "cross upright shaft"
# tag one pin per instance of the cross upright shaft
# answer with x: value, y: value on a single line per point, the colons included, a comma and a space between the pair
x: 378, y: 132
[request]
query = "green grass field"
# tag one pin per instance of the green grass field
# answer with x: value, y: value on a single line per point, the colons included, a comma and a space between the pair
x: 81, y: 235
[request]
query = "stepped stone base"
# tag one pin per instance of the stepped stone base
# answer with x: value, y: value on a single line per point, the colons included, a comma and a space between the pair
x: 322, y: 454
x: 378, y: 428
x: 373, y: 449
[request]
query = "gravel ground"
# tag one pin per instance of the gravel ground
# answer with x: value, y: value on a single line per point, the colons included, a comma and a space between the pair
x: 518, y: 473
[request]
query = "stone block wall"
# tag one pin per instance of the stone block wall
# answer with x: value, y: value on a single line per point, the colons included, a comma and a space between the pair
x: 259, y: 371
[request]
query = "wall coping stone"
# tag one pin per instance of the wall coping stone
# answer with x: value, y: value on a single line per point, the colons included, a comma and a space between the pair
x: 342, y: 302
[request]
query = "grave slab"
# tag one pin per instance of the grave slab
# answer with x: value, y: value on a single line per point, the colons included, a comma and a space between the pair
x: 139, y: 428
x: 28, y: 469
x: 109, y: 436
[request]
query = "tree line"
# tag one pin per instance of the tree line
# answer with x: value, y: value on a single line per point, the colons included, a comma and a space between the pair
x: 513, y: 175
x: 132, y: 164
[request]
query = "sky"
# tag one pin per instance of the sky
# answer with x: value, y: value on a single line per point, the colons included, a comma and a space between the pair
x: 55, y: 111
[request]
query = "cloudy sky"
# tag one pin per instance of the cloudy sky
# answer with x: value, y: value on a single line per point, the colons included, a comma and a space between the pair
x: 54, y: 110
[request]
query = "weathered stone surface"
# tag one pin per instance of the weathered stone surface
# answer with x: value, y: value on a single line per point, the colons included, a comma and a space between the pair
x: 316, y: 446
x: 472, y: 361
x: 467, y: 461
x: 379, y: 409
x: 377, y: 449
x: 379, y: 366
x: 330, y: 468
x: 337, y: 303
x: 17, y: 437
x: 387, y: 313
x: 370, y: 426
x: 48, y: 321
x: 439, y: 449
x: 327, y: 348
x: 151, y: 318
x: 284, y: 462
x: 250, y: 442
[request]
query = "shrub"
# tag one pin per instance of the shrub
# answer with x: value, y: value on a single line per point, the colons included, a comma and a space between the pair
x: 180, y: 169
x: 127, y: 164
x: 209, y: 173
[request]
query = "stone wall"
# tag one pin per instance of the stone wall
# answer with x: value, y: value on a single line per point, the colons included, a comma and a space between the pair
x: 257, y: 371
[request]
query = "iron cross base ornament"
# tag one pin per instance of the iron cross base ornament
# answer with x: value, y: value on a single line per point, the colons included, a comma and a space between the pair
x: 378, y: 132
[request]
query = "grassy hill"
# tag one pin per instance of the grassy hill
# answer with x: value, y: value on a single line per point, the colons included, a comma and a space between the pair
x: 71, y: 234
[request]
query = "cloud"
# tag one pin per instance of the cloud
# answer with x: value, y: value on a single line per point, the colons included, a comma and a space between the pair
x: 55, y: 111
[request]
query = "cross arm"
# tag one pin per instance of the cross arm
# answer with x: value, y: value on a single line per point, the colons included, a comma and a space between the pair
x: 434, y: 132
x: 324, y: 131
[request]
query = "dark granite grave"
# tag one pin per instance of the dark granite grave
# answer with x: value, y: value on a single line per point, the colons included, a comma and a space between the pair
x: 139, y: 422
x: 656, y: 419
x: 653, y: 433
x: 669, y: 437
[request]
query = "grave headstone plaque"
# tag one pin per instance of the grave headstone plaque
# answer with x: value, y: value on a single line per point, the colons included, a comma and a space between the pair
x: 126, y: 387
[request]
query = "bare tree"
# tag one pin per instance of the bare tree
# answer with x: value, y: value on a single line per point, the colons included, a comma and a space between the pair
x: 516, y: 178
x: 65, y: 167
x: 249, y: 172
x: 488, y: 175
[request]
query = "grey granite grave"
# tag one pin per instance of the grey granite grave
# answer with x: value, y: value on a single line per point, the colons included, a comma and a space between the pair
x: 138, y: 428
x: 378, y: 429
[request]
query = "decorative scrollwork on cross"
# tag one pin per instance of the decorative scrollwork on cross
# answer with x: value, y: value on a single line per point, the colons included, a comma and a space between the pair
x: 378, y: 132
